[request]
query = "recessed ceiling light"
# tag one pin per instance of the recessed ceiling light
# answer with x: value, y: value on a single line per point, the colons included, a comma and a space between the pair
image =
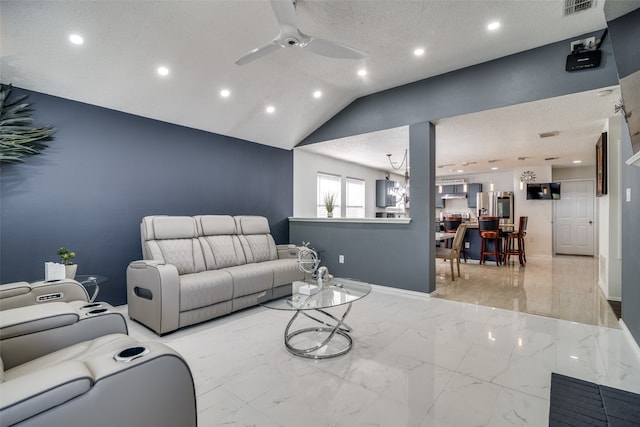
x: 418, y: 52
x: 577, y: 161
x: 76, y: 39
x: 493, y: 26
x: 548, y: 134
x: 362, y: 72
x: 163, y: 71
x: 495, y: 168
x: 460, y: 171
x: 270, y: 109
x: 317, y: 94
x: 225, y: 93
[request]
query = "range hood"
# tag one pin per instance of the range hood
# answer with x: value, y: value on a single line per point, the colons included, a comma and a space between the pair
x: 450, y: 196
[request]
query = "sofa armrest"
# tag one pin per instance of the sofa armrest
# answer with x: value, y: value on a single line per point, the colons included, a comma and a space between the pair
x: 34, y: 318
x: 41, y: 390
x: 20, y: 294
x: 28, y: 333
x: 153, y: 295
x: 288, y: 251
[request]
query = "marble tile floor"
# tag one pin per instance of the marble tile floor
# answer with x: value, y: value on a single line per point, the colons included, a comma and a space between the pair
x: 562, y: 287
x: 416, y: 361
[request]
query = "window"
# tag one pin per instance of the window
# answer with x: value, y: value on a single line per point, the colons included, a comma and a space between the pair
x: 355, y: 198
x: 328, y: 185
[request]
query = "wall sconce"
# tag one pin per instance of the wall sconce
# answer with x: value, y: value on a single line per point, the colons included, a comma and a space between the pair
x: 440, y: 189
x: 491, y: 186
x: 464, y: 187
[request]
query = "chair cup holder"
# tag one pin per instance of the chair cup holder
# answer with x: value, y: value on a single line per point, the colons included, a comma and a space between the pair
x: 97, y: 311
x: 91, y: 306
x: 131, y: 353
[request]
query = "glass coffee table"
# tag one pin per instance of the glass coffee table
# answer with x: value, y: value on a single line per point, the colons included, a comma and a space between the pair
x: 331, y: 337
x: 91, y: 280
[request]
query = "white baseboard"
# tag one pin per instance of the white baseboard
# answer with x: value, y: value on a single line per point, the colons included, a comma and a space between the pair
x: 632, y: 341
x: 395, y: 291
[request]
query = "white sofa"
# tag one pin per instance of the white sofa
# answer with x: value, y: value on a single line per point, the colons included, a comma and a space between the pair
x: 202, y: 267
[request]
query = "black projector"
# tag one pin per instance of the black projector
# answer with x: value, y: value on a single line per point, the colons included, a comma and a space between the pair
x: 584, y: 60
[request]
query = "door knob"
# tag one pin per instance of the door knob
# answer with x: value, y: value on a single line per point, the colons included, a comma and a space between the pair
x: 590, y: 222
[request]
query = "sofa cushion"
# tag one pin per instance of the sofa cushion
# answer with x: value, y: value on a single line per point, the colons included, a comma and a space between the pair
x: 259, y: 247
x: 169, y: 227
x: 252, y: 225
x: 284, y: 271
x: 222, y: 251
x: 205, y: 288
x: 215, y: 225
x: 185, y: 254
x: 250, y: 278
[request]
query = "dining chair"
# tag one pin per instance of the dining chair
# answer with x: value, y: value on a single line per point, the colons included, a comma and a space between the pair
x: 451, y: 225
x: 453, y: 253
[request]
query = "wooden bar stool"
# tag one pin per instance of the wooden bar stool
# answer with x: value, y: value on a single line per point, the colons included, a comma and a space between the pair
x: 489, y: 230
x: 516, y: 237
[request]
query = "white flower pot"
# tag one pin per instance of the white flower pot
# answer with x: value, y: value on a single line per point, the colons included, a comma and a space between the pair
x: 70, y: 271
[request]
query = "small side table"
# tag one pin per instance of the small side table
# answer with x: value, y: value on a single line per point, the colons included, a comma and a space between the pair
x: 91, y: 280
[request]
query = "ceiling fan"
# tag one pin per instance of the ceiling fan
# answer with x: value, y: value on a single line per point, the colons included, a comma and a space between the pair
x: 291, y: 36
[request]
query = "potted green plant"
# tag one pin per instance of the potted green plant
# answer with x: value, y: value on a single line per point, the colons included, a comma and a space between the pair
x: 329, y: 203
x: 66, y: 257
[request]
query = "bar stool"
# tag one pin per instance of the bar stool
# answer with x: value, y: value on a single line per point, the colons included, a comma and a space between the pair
x: 489, y: 230
x: 451, y: 225
x: 516, y: 237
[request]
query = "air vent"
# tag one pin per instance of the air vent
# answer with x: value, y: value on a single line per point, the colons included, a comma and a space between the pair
x: 551, y: 158
x: 548, y: 134
x: 493, y: 160
x: 522, y: 158
x: 574, y: 6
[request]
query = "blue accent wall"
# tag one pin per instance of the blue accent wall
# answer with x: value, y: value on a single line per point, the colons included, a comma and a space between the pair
x: 105, y: 170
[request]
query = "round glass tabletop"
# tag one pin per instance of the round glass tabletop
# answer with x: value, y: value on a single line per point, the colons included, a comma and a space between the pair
x: 337, y: 292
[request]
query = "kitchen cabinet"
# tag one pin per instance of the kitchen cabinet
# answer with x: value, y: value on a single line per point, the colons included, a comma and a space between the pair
x: 385, y: 193
x: 439, y: 199
x: 472, y: 190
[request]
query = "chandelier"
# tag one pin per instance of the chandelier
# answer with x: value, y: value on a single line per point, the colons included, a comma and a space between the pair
x: 402, y: 190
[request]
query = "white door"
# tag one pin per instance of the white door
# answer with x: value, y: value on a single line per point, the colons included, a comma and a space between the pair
x: 574, y: 218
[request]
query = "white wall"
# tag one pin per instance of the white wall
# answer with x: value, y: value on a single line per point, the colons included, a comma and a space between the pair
x: 306, y: 167
x: 540, y: 212
x: 580, y: 172
x: 610, y: 218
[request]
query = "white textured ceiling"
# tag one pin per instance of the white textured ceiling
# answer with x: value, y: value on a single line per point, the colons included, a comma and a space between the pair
x: 125, y: 41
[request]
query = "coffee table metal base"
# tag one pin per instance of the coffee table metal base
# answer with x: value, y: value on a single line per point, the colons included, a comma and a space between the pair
x: 333, y: 330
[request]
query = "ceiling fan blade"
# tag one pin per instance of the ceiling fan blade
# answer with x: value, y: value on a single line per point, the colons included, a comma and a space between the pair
x: 257, y: 53
x: 334, y: 50
x: 285, y: 11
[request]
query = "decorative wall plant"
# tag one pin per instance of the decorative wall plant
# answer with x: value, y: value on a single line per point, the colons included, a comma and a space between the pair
x: 18, y: 138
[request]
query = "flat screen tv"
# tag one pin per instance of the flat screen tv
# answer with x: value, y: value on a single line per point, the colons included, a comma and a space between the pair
x: 543, y: 191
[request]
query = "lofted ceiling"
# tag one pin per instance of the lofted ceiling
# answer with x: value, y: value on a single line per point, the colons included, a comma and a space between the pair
x: 503, y: 138
x: 199, y: 41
